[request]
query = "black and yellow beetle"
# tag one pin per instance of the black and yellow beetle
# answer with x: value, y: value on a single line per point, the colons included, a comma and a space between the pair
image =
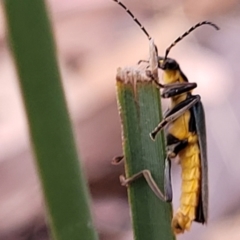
x: 186, y: 137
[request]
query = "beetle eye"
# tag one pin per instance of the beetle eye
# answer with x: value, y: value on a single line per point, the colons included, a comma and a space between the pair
x: 167, y: 64
x: 171, y: 64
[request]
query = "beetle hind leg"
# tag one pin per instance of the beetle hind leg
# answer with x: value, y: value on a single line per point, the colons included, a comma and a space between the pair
x: 167, y: 197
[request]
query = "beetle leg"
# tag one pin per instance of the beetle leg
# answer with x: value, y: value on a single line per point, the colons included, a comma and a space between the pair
x: 142, y: 61
x: 151, y: 182
x: 150, y: 75
x: 118, y: 159
x: 174, y: 145
x: 167, y: 180
x: 174, y: 89
x: 165, y: 113
x: 175, y: 113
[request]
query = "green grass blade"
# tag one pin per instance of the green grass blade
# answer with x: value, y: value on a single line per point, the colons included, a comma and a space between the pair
x: 63, y: 183
x: 140, y: 111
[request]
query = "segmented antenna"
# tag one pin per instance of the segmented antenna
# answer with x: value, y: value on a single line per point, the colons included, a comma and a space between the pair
x: 186, y: 33
x: 134, y: 18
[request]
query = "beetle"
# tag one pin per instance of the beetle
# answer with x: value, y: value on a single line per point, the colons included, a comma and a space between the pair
x: 185, y: 128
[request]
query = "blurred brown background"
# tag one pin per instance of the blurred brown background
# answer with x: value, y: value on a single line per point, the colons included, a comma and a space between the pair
x: 93, y: 38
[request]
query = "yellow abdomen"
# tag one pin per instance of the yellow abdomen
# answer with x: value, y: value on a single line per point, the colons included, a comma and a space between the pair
x: 191, y: 173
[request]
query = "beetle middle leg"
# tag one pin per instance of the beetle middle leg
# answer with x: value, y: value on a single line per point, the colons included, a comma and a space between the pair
x: 175, y: 113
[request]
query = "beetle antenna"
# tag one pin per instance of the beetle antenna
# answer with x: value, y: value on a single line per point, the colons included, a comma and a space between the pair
x: 134, y: 18
x: 187, y: 32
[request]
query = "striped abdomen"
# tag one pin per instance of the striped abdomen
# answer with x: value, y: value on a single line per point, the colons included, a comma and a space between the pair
x: 191, y: 175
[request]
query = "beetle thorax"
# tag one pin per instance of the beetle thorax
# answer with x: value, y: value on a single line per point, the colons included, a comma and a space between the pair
x: 172, y: 76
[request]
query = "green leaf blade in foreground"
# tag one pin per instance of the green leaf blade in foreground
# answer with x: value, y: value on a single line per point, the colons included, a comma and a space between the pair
x: 140, y: 112
x: 63, y: 183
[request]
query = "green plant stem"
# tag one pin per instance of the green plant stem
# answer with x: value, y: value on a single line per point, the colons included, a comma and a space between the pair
x: 140, y: 111
x: 63, y: 183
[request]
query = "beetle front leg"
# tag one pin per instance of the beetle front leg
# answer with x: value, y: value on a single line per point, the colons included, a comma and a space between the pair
x: 175, y: 113
x: 174, y: 89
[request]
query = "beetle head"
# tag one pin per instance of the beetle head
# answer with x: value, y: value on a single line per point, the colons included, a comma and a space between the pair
x: 167, y: 64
